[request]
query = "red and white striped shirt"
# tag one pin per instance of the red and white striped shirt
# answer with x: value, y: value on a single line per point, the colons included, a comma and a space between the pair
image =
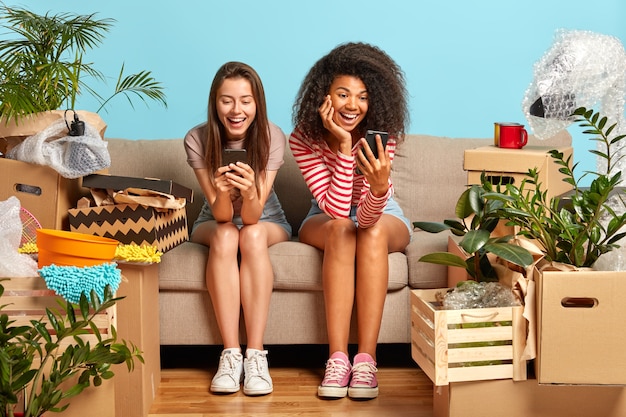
x: 335, y: 185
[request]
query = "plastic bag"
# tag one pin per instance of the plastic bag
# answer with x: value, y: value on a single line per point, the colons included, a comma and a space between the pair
x: 12, y: 263
x: 70, y: 156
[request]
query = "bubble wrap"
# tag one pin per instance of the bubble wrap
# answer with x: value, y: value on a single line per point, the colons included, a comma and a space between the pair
x: 12, y: 263
x: 581, y: 69
x: 70, y: 156
x: 472, y: 294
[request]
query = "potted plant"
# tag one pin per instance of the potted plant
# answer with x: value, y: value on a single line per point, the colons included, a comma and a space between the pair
x: 478, y: 217
x: 43, y: 68
x: 579, y: 232
x: 579, y: 308
x: 34, y: 365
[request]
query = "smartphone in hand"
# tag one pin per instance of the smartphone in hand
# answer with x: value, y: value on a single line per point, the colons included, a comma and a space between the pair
x: 370, y: 137
x: 232, y: 156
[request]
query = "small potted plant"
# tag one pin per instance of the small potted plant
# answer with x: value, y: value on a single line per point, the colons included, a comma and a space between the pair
x: 36, y: 359
x: 478, y: 217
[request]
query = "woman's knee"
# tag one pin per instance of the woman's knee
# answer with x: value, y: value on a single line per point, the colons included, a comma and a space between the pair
x: 253, y: 237
x: 340, y: 228
x: 225, y: 237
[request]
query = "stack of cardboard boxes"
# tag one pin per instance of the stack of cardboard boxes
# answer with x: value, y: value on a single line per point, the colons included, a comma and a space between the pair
x: 52, y: 200
x: 580, y: 368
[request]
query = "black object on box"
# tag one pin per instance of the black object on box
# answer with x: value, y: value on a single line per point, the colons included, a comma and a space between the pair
x: 119, y: 183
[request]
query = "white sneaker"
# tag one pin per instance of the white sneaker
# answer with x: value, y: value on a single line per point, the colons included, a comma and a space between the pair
x: 257, y: 379
x: 229, y: 373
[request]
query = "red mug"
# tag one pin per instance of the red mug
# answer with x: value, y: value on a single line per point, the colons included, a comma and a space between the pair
x: 510, y: 135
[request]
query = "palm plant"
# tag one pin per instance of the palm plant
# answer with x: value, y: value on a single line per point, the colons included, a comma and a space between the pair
x: 44, y: 68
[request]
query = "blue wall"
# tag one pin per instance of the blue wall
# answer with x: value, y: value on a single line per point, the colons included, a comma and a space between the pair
x: 467, y: 64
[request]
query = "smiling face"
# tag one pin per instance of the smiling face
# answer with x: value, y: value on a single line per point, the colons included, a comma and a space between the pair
x: 236, y: 108
x: 350, y: 101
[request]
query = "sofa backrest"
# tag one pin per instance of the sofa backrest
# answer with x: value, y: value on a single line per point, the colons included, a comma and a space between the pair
x: 160, y: 158
x: 427, y: 173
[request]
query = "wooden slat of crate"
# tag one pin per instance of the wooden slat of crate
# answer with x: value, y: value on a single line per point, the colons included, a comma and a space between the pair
x: 433, y: 340
x: 26, y: 299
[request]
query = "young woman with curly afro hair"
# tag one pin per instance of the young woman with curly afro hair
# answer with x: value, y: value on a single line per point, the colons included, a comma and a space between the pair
x: 353, y: 219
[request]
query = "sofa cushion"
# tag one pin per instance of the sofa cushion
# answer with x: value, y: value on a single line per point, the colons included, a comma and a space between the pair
x: 298, y: 266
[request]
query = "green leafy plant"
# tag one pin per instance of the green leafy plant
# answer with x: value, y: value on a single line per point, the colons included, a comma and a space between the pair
x: 44, y: 68
x: 477, y: 219
x: 579, y: 229
x: 33, y: 362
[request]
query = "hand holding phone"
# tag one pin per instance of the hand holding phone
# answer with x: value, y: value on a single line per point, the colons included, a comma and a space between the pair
x: 370, y: 137
x: 232, y: 156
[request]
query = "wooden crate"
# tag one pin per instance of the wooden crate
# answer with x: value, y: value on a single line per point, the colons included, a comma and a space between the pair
x: 466, y: 345
x: 26, y: 299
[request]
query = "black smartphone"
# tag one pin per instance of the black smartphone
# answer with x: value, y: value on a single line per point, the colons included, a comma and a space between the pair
x: 370, y: 137
x: 232, y: 156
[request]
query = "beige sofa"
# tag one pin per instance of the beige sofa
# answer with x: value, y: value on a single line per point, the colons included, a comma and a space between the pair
x: 428, y: 177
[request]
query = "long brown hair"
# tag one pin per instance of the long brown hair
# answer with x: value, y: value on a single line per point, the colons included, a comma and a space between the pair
x: 257, y: 141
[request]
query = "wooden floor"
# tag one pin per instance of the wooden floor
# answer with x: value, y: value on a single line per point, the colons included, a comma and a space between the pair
x: 184, y: 391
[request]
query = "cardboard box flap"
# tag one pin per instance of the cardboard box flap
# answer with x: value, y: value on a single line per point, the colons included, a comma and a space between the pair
x: 118, y: 183
x: 491, y: 158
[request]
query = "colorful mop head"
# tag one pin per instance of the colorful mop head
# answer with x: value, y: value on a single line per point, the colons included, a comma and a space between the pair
x: 71, y: 281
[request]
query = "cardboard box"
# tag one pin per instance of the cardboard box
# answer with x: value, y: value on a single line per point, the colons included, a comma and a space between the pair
x: 41, y: 190
x: 466, y: 345
x: 509, y: 166
x: 138, y: 322
x: 581, y: 336
x: 132, y: 223
x: 118, y: 183
x: 26, y: 299
x: 510, y: 398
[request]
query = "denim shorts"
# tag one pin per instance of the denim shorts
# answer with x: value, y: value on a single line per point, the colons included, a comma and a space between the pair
x: 392, y: 208
x: 272, y: 212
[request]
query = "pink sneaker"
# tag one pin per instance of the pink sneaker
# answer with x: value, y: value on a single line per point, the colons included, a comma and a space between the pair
x: 336, y: 377
x: 363, y: 384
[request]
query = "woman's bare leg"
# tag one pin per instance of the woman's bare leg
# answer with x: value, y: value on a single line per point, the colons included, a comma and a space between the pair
x: 372, y: 276
x: 257, y: 277
x: 337, y: 238
x: 222, y: 276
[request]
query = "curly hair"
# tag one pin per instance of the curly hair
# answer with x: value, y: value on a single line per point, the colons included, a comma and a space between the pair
x: 383, y: 79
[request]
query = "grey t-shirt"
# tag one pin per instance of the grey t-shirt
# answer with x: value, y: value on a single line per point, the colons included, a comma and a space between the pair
x: 195, y: 145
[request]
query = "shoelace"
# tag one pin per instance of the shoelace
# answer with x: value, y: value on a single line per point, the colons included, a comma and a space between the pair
x: 255, y: 366
x: 228, y: 365
x: 363, y: 372
x: 335, y: 370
